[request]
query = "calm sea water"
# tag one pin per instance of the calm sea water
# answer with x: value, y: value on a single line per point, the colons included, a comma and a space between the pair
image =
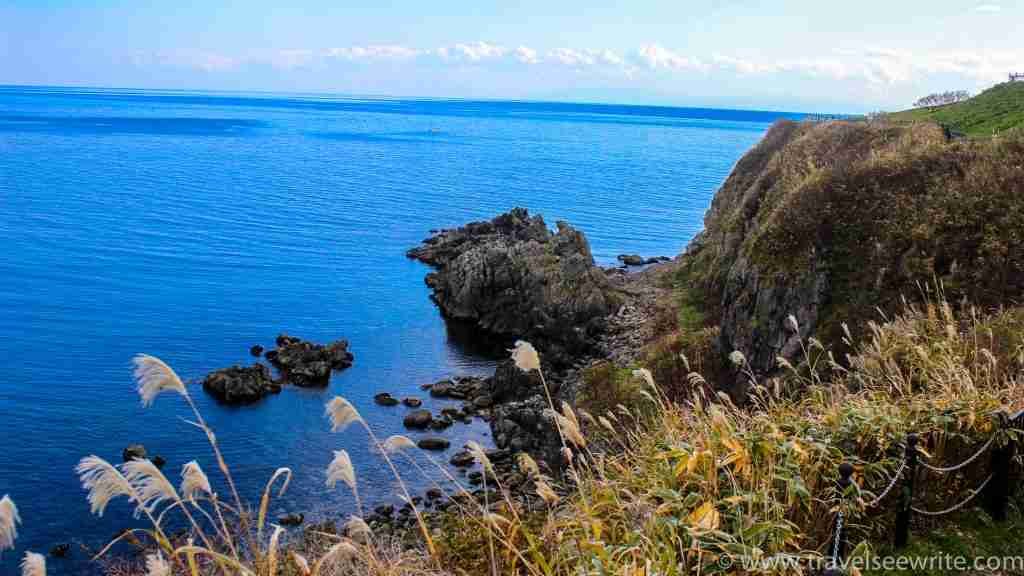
x: 194, y: 225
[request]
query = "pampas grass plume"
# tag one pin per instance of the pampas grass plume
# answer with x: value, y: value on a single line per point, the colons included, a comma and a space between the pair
x: 342, y: 414
x: 546, y: 493
x: 157, y: 566
x: 528, y: 465
x: 479, y: 454
x: 357, y: 527
x: 571, y: 430
x: 301, y: 563
x: 33, y: 564
x: 153, y: 376
x: 398, y: 443
x: 525, y: 356
x: 9, y: 521
x: 341, y: 469
x: 791, y: 324
x: 272, y: 547
x: 194, y: 481
x: 103, y: 481
x: 150, y: 484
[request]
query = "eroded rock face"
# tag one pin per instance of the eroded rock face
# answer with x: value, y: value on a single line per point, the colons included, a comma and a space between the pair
x: 306, y: 363
x: 516, y: 279
x: 241, y: 385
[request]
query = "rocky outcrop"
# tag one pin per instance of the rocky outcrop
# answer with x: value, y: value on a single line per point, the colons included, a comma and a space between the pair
x: 516, y: 279
x: 308, y: 364
x: 241, y: 385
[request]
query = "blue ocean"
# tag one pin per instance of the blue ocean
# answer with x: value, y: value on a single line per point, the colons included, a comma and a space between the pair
x: 193, y: 225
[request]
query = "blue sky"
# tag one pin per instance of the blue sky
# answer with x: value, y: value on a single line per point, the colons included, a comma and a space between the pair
x: 794, y: 55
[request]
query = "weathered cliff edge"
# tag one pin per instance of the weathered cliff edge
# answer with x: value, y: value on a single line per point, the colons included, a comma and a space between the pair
x: 515, y: 279
x: 833, y: 222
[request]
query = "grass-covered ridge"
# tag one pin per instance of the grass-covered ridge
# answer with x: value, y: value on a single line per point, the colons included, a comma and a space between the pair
x: 994, y: 111
x: 831, y: 221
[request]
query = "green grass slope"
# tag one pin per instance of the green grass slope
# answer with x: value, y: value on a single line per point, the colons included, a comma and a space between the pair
x: 995, y: 110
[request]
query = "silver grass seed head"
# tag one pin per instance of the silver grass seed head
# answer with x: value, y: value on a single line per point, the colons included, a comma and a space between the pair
x: 341, y: 469
x: 33, y: 564
x: 341, y: 413
x: 153, y: 376
x: 9, y: 521
x: 103, y: 481
x: 525, y: 356
x: 194, y: 481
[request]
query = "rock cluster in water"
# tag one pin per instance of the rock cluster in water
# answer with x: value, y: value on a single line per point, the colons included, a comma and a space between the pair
x: 300, y: 363
x: 308, y: 364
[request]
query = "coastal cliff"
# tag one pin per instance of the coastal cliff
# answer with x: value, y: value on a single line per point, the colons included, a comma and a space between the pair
x: 834, y: 222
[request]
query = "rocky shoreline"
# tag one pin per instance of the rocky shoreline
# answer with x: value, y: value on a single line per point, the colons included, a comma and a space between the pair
x: 511, y: 278
x: 535, y: 275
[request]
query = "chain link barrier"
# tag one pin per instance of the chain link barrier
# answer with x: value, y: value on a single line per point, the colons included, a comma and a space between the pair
x: 963, y: 464
x: 958, y: 506
x: 895, y: 478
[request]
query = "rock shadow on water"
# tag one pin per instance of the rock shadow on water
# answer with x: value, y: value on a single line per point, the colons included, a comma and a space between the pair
x: 472, y: 341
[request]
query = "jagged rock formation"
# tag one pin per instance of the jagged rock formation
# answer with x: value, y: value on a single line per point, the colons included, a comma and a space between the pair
x: 516, y: 279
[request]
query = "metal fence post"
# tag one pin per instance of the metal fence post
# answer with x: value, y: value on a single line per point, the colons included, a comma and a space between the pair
x: 997, y: 493
x: 840, y: 542
x: 907, y: 496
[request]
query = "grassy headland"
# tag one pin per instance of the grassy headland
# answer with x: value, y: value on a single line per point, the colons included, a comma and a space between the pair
x: 992, y: 112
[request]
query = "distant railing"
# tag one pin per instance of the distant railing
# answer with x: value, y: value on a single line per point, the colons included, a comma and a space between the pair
x: 817, y: 118
x: 1016, y: 76
x: 997, y: 486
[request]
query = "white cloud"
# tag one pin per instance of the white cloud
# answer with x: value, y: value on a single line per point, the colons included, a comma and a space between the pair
x: 375, y: 51
x: 527, y: 55
x: 477, y: 51
x: 878, y: 69
x: 656, y: 56
x: 570, y: 57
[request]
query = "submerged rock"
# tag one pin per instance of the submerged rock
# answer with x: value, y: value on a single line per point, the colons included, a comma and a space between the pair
x: 306, y: 363
x: 256, y: 350
x: 133, y: 452
x: 418, y: 419
x: 462, y: 459
x: 240, y: 385
x: 631, y: 259
x: 412, y: 402
x: 385, y: 399
x: 291, y: 519
x: 433, y: 443
x: 514, y: 278
x: 60, y: 550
